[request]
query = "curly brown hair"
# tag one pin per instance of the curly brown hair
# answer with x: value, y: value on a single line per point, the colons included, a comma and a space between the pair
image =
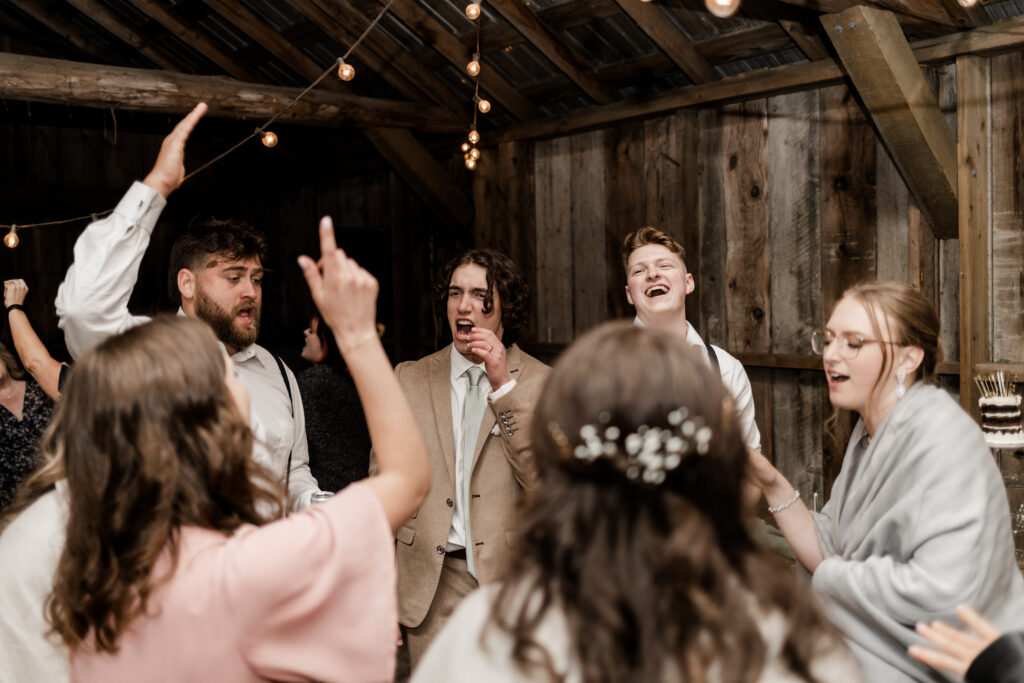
x: 650, y: 577
x: 151, y: 441
x: 503, y: 276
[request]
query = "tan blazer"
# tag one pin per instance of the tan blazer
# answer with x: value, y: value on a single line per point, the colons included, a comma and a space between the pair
x: 502, y: 467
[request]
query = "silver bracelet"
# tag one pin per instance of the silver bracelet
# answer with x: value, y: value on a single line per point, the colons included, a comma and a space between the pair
x: 788, y: 503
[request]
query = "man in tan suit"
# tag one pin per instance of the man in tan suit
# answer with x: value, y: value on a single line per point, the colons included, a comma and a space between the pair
x: 472, y: 399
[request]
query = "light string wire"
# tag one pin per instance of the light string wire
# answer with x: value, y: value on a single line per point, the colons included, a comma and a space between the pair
x: 258, y: 131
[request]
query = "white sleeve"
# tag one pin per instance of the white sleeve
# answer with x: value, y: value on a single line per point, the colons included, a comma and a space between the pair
x: 301, y: 484
x: 92, y: 302
x: 738, y: 384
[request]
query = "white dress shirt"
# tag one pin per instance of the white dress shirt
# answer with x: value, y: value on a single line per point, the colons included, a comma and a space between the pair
x: 735, y: 379
x: 92, y: 304
x: 459, y: 388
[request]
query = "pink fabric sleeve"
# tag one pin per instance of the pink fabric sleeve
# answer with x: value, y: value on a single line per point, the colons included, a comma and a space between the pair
x: 314, y: 596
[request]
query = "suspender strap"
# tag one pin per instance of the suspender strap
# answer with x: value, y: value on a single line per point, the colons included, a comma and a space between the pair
x: 712, y: 356
x: 291, y: 402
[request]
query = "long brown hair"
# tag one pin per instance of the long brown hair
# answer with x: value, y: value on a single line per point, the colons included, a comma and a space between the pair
x: 151, y: 441
x: 653, y: 578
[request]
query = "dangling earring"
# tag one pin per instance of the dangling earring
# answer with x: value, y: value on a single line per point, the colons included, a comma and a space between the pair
x: 901, y: 389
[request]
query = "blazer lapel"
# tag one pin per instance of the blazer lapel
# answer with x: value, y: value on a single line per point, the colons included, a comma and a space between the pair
x: 441, y: 398
x: 514, y: 362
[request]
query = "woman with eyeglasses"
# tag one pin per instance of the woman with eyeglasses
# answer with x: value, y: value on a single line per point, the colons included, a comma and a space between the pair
x: 918, y: 517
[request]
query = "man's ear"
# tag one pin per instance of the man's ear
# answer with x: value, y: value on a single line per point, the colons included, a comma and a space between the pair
x: 628, y: 297
x: 186, y: 284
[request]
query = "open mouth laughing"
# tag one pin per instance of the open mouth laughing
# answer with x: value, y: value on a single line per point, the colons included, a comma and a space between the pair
x: 656, y: 291
x: 463, y: 327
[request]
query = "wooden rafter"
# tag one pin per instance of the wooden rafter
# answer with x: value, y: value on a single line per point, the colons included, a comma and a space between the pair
x: 560, y: 17
x: 383, y: 54
x: 65, y: 29
x: 199, y: 42
x: 538, y: 35
x: 807, y: 40
x: 448, y: 46
x: 918, y: 15
x: 677, y: 47
x: 111, y: 22
x: 966, y: 17
x: 58, y: 81
x: 999, y: 37
x: 886, y: 75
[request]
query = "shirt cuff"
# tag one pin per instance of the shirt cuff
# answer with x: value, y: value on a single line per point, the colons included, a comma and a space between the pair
x: 502, y: 390
x: 137, y: 202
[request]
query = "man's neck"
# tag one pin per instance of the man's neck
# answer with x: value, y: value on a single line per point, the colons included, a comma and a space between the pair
x: 672, y: 323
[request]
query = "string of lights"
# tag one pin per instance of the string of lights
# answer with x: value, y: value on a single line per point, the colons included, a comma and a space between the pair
x: 346, y: 72
x: 480, y: 105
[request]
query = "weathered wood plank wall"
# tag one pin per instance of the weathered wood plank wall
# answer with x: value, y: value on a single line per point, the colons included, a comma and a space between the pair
x: 781, y: 204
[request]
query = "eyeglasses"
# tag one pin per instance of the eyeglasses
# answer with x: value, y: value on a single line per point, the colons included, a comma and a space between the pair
x: 849, y: 344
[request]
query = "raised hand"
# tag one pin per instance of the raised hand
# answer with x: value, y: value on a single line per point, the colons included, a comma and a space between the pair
x: 14, y: 292
x: 169, y: 170
x: 344, y: 293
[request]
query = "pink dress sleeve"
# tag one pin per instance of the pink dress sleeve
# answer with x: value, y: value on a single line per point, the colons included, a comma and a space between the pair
x: 315, y: 594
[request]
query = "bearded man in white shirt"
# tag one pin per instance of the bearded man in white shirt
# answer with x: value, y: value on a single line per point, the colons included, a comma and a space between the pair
x: 657, y: 283
x: 216, y: 274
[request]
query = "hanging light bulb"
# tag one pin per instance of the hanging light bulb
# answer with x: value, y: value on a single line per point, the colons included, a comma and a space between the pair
x: 465, y: 146
x: 474, y: 154
x: 346, y: 71
x: 473, y: 68
x: 470, y: 164
x: 473, y: 11
x: 269, y: 138
x: 967, y: 3
x: 474, y: 136
x: 483, y: 105
x: 722, y: 8
x: 11, y: 238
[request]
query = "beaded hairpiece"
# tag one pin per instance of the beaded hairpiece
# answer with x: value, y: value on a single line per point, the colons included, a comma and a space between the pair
x: 650, y: 452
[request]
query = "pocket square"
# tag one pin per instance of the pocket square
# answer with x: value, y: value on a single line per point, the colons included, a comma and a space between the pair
x: 495, y: 431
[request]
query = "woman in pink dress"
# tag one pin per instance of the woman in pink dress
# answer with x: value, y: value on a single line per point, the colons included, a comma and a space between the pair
x: 170, y: 572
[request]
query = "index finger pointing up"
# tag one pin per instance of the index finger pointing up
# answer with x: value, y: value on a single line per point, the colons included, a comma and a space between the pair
x: 327, y: 243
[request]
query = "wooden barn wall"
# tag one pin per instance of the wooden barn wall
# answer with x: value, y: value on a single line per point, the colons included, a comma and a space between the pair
x: 49, y: 172
x: 781, y: 203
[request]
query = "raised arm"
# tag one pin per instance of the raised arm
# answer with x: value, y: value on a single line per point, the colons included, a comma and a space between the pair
x: 346, y: 296
x: 34, y: 356
x: 92, y: 302
x: 792, y: 516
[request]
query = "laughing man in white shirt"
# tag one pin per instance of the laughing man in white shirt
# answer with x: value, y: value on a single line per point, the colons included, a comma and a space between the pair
x: 216, y: 272
x: 657, y: 283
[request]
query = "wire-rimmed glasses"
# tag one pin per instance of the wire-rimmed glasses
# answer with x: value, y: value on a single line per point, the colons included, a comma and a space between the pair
x: 849, y: 344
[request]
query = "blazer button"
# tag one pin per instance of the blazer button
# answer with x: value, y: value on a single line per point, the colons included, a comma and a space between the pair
x: 440, y: 550
x: 449, y: 502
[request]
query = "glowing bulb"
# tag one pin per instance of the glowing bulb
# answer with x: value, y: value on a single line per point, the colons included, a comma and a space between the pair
x: 473, y: 11
x: 465, y: 146
x: 346, y: 72
x: 269, y: 138
x: 473, y: 68
x: 967, y: 3
x: 722, y: 8
x: 11, y: 238
x: 474, y: 137
x: 484, y: 106
x: 474, y: 154
x: 470, y: 164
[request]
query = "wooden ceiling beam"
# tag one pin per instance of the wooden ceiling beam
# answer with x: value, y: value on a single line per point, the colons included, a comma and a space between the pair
x: 382, y: 54
x: 116, y: 26
x: 38, y: 79
x: 1001, y: 36
x: 920, y: 15
x: 196, y: 39
x: 448, y: 46
x: 560, y: 17
x: 540, y: 36
x: 65, y: 29
x: 677, y: 47
x: 966, y: 17
x: 806, y: 39
x: 888, y: 78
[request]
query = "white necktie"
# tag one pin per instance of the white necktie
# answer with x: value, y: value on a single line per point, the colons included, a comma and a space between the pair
x: 472, y: 414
